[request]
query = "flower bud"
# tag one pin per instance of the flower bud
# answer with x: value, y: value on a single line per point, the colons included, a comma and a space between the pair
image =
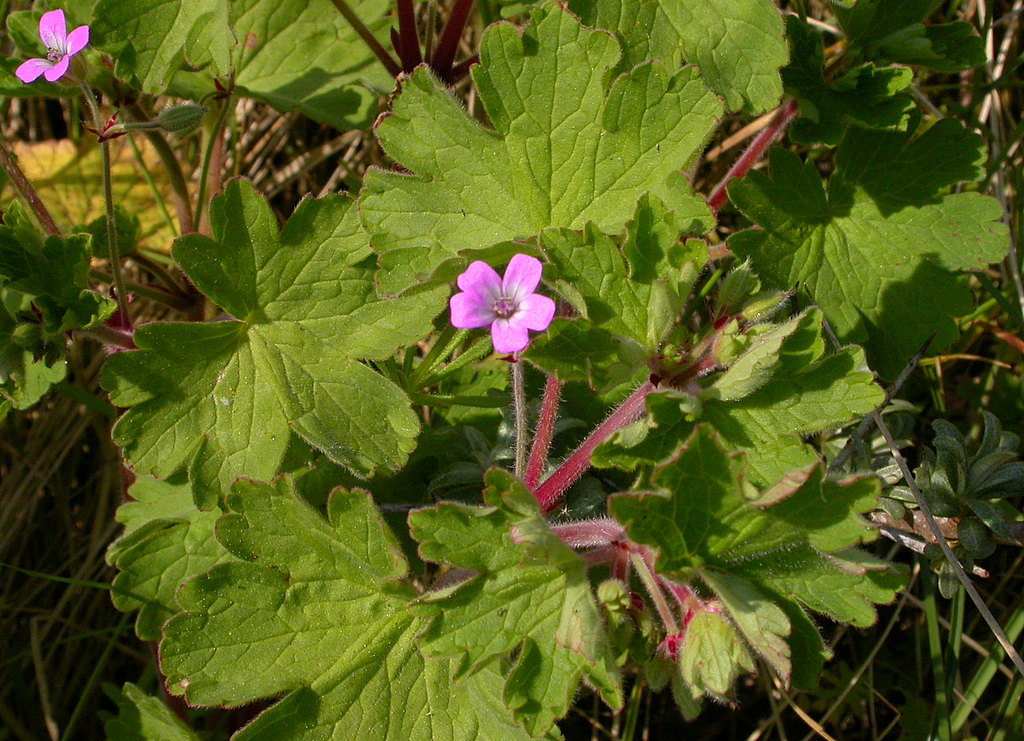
x: 736, y: 287
x: 181, y: 119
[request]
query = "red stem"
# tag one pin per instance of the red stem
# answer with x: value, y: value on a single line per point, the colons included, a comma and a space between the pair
x: 782, y: 118
x: 409, y: 42
x: 598, y: 532
x: 112, y: 337
x: 10, y: 166
x: 396, y: 42
x: 364, y: 33
x: 448, y: 44
x: 461, y: 69
x: 545, y: 428
x: 548, y: 493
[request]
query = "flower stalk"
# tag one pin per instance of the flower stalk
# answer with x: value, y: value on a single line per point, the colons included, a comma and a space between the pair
x: 108, y: 206
x: 519, y: 409
x: 545, y: 430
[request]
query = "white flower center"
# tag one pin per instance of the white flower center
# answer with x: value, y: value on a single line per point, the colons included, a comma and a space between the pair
x: 504, y: 307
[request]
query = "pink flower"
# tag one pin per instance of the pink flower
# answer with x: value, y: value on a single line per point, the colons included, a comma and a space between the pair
x: 507, y: 304
x: 60, y: 47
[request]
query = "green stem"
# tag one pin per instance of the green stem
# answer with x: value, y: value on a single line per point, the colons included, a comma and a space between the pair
x: 151, y: 184
x: 519, y: 402
x: 931, y: 613
x: 179, y: 187
x: 633, y: 708
x: 474, y: 352
x: 204, y: 172
x: 108, y: 204
x: 982, y: 678
x: 645, y: 570
x: 153, y: 293
x: 443, y: 346
x: 94, y: 678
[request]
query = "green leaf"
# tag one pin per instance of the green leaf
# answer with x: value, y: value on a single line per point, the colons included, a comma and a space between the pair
x: 295, y: 54
x: 628, y: 289
x: 758, y: 364
x: 880, y: 247
x: 712, y: 655
x: 575, y: 350
x: 633, y: 290
x: 144, y: 718
x: 807, y: 391
x: 737, y: 44
x: 324, y: 617
x: 764, y: 555
x: 892, y: 31
x: 166, y: 541
x: 865, y: 96
x: 567, y: 148
x: 30, y: 359
x: 222, y: 397
x: 524, y: 591
x: 761, y: 621
x: 152, y: 39
x: 53, y: 271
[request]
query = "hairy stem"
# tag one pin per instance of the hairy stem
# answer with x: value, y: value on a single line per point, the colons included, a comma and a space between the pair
x: 519, y: 405
x: 408, y: 39
x: 379, y: 51
x: 204, y: 172
x: 782, y: 118
x: 545, y: 429
x: 109, y: 336
x: 154, y: 293
x: 461, y: 69
x: 641, y: 561
x: 108, y: 203
x: 548, y: 493
x: 448, y: 44
x: 28, y: 192
x: 601, y: 531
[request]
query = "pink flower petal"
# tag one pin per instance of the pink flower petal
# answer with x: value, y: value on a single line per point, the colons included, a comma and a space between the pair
x: 57, y: 71
x: 53, y: 30
x: 31, y: 70
x: 535, y: 312
x: 521, y: 276
x: 482, y: 281
x: 78, y: 40
x: 469, y: 312
x: 508, y: 336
